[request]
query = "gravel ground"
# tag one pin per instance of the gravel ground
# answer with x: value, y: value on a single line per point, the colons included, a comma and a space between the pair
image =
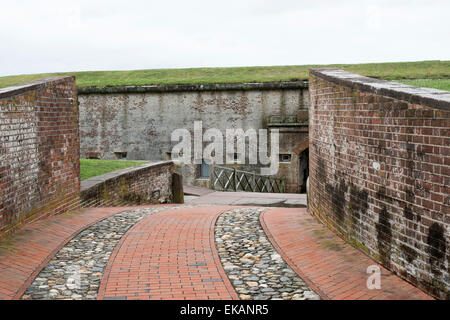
x: 254, y: 267
x: 252, y: 264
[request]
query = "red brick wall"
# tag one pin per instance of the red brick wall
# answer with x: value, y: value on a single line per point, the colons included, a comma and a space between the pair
x: 39, y: 148
x: 380, y: 171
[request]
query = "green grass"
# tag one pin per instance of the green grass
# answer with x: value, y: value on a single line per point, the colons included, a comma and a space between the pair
x: 92, y: 167
x: 389, y: 71
x: 441, y: 84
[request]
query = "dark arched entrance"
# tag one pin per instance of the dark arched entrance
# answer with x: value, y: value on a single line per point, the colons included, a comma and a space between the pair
x: 303, y: 170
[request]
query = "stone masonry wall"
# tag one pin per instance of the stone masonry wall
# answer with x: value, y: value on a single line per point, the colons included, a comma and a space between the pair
x: 139, y: 121
x: 147, y: 183
x: 380, y: 172
x: 39, y: 150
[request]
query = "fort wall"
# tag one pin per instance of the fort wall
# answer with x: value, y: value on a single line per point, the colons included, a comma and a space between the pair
x: 136, y: 123
x: 39, y: 149
x: 380, y: 171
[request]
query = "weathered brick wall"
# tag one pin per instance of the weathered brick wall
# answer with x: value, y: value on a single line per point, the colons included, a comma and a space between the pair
x: 39, y: 149
x: 380, y: 171
x: 147, y: 183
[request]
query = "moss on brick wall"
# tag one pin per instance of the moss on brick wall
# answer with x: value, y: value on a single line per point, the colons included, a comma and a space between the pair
x: 144, y: 184
x: 39, y: 145
x: 380, y: 172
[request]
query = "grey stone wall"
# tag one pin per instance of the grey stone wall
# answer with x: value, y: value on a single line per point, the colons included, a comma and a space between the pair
x: 138, y: 121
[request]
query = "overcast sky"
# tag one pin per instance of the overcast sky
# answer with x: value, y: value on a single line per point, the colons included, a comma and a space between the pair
x: 50, y: 36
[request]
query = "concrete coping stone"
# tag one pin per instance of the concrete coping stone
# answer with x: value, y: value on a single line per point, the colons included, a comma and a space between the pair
x: 94, y: 181
x: 288, y: 124
x: 197, y: 87
x: 434, y: 98
x: 33, y: 85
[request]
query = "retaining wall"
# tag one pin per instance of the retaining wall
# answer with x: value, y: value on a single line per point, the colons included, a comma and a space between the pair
x: 380, y: 171
x: 39, y: 149
x: 147, y: 183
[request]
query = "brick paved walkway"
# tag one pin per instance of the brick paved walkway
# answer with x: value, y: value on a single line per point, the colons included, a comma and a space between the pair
x: 332, y: 268
x: 173, y: 251
x: 169, y: 255
x: 25, y: 253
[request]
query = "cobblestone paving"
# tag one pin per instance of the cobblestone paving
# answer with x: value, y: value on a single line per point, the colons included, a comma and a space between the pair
x: 76, y: 270
x: 253, y: 266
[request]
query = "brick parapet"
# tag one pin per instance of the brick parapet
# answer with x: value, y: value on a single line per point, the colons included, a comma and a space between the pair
x: 147, y: 183
x: 380, y: 171
x: 39, y: 147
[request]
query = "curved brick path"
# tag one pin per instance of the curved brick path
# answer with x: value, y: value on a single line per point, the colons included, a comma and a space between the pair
x: 169, y: 255
x: 24, y: 254
x: 174, y: 252
x: 332, y: 268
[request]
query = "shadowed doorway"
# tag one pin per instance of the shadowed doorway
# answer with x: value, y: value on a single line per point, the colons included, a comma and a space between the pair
x: 303, y: 170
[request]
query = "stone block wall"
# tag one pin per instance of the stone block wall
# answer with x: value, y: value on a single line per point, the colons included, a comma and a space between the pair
x: 39, y: 150
x: 380, y: 172
x: 145, y: 184
x: 136, y: 122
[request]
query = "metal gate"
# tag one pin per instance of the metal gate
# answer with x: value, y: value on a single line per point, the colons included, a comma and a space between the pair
x: 229, y: 179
